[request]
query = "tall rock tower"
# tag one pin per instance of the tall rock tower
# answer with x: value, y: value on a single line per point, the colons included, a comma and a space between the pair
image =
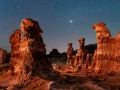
x: 28, y: 58
x: 107, y: 56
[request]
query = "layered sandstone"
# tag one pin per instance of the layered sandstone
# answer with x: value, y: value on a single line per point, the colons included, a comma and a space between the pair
x: 107, y: 56
x: 32, y: 59
x: 28, y: 56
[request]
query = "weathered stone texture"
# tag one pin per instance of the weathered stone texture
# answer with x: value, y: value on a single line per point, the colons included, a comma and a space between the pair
x: 69, y: 53
x: 101, y: 31
x: 81, y: 53
x: 107, y: 55
x: 15, y: 40
x: 32, y: 52
x: 80, y: 59
x: 28, y: 56
x: 28, y: 23
x: 3, y: 54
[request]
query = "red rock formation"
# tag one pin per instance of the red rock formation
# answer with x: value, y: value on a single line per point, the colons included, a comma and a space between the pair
x: 28, y: 56
x: 27, y: 23
x: 81, y: 43
x: 69, y: 53
x: 81, y: 53
x: 32, y: 60
x: 15, y: 40
x: 106, y: 57
x: 118, y: 35
x: 3, y: 54
x: 101, y: 31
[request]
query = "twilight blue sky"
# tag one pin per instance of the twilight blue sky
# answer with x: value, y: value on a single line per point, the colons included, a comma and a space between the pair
x: 54, y: 17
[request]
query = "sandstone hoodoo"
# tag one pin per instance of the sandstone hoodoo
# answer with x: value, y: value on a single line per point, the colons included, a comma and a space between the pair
x: 106, y: 57
x: 69, y: 53
x: 82, y: 58
x: 28, y: 55
x: 101, y: 31
x: 32, y: 50
x: 15, y: 40
x: 81, y: 53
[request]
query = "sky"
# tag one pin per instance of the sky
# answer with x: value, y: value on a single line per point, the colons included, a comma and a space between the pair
x: 62, y: 21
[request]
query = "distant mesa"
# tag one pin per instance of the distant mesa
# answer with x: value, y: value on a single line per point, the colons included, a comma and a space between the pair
x: 55, y: 53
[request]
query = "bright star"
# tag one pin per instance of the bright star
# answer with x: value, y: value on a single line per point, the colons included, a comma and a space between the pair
x: 71, y: 21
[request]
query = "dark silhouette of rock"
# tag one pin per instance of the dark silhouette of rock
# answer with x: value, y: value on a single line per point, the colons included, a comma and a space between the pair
x: 91, y: 48
x: 54, y: 53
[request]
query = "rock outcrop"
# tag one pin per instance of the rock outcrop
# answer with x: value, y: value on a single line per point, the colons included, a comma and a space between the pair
x: 81, y: 54
x: 3, y: 54
x: 28, y: 56
x: 81, y: 57
x: 107, y: 56
x: 54, y: 53
x: 91, y: 48
x: 15, y: 40
x: 69, y: 53
x: 101, y: 31
x: 28, y: 23
x: 32, y: 51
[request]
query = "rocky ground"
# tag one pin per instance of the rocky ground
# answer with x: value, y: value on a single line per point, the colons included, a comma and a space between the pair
x: 70, y: 79
x: 83, y: 80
